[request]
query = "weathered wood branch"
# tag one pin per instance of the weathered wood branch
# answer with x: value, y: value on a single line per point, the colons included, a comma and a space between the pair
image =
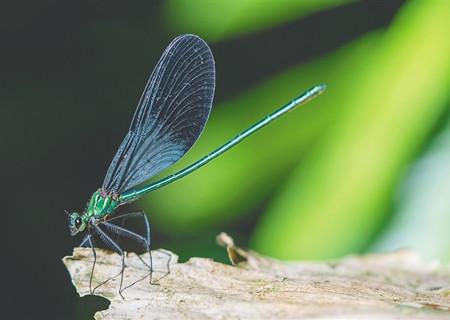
x: 383, y: 286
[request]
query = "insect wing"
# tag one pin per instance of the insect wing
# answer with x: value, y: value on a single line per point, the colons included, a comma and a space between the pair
x: 170, y: 116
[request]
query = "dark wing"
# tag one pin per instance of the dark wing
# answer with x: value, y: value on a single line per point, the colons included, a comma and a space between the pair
x: 170, y: 116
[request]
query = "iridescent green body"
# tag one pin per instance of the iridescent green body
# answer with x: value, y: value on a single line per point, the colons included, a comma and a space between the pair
x: 101, y: 205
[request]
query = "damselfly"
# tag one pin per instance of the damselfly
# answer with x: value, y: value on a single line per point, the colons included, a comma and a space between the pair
x: 170, y: 116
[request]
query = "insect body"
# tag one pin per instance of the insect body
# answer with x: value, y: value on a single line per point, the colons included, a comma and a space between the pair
x: 170, y: 116
x: 99, y: 207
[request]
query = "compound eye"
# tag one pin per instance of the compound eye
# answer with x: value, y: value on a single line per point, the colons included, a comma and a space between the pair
x: 78, y: 223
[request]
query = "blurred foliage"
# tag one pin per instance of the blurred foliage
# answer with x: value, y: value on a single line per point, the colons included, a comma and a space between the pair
x: 216, y: 20
x: 330, y: 169
x: 424, y: 204
x: 336, y: 201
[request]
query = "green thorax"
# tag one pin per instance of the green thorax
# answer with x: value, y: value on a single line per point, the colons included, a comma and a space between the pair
x: 101, y: 204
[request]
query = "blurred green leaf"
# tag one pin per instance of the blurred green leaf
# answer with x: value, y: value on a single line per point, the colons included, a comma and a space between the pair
x: 336, y: 201
x: 424, y: 205
x: 242, y: 178
x: 221, y: 19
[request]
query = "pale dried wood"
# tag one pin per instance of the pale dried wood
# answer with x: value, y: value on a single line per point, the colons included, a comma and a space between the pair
x: 397, y: 285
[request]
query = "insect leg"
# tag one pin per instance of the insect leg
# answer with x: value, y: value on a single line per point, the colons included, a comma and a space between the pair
x: 89, y: 240
x: 134, y: 236
x: 107, y: 240
x: 147, y: 227
x: 169, y: 259
x: 147, y: 236
x: 85, y: 242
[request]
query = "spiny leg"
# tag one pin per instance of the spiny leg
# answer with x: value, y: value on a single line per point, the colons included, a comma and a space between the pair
x: 147, y: 233
x: 88, y: 241
x: 134, y: 236
x: 107, y: 240
x: 147, y: 226
x: 139, y: 238
x: 85, y: 242
x: 123, y: 218
x: 167, y: 265
x: 120, y: 230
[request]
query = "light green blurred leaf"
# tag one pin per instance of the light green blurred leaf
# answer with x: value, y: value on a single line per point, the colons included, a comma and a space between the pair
x: 336, y: 201
x: 242, y: 178
x: 221, y: 19
x: 422, y: 219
